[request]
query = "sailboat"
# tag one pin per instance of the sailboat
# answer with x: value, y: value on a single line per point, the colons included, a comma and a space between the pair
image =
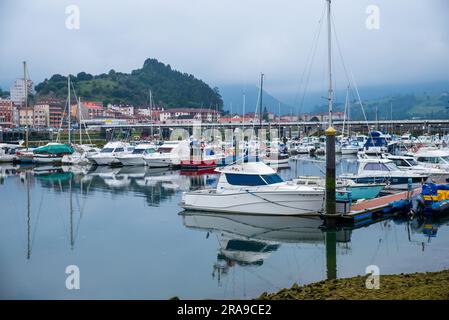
x: 82, y: 151
x: 53, y: 152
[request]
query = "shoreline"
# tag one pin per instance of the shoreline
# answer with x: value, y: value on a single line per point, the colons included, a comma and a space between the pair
x: 410, y: 286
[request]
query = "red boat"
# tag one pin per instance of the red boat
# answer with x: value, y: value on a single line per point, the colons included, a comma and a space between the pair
x: 196, y: 165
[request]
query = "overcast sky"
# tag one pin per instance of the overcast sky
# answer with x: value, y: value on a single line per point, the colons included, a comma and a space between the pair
x: 228, y: 41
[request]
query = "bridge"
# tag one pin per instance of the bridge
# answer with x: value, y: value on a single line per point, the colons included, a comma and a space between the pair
x: 287, y: 129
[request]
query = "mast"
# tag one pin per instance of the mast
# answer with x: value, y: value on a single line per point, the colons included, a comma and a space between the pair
x: 69, y: 106
x: 25, y: 85
x: 79, y: 120
x: 260, y: 100
x: 329, y: 59
x: 330, y: 139
x: 151, y: 114
x: 244, y: 105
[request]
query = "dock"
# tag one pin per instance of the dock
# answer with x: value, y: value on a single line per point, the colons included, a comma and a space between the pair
x: 367, y: 211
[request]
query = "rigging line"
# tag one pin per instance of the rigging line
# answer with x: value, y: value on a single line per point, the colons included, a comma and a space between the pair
x: 81, y: 114
x: 312, y: 59
x: 310, y: 54
x: 352, y: 76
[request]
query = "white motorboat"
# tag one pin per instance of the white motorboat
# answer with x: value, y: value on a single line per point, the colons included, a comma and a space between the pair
x: 108, y: 155
x: 8, y: 152
x: 80, y: 156
x: 165, y: 156
x: 379, y: 170
x: 409, y: 163
x: 136, y: 157
x: 433, y: 158
x: 351, y: 147
x: 255, y: 188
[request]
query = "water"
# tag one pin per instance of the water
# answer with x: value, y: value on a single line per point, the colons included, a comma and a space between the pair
x: 122, y: 228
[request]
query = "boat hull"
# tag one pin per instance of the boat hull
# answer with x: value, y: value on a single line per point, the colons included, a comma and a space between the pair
x: 158, y: 162
x: 46, y: 159
x: 132, y: 161
x: 272, y: 203
x: 394, y: 182
x: 361, y: 192
x: 104, y: 161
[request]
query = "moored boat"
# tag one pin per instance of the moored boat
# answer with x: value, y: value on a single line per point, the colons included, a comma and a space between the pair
x: 255, y: 188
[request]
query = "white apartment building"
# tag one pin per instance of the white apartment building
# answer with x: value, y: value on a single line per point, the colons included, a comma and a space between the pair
x: 26, y: 116
x: 17, y: 91
x: 41, y: 115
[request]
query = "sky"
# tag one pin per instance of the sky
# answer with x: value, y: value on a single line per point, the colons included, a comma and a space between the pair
x: 228, y: 42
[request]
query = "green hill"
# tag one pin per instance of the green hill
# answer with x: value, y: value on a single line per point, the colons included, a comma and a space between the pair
x: 170, y: 88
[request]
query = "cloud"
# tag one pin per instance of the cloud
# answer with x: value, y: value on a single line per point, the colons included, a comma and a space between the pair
x: 224, y: 42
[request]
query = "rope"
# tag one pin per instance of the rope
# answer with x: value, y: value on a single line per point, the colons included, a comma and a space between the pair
x: 279, y: 204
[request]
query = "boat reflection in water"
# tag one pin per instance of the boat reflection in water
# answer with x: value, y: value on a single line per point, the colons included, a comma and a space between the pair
x: 248, y: 240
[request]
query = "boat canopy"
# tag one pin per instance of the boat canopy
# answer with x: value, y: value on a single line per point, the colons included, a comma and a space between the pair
x: 54, y: 149
x: 376, y: 139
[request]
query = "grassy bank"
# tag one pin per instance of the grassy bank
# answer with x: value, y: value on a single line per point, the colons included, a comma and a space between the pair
x: 428, y: 285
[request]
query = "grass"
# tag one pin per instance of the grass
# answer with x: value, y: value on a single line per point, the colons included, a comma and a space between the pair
x: 414, y: 286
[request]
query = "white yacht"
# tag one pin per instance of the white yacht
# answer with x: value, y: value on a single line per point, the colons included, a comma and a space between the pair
x: 379, y: 170
x: 80, y: 156
x: 433, y: 158
x: 136, y: 157
x: 351, y: 147
x: 255, y: 188
x: 8, y: 152
x: 165, y: 156
x: 409, y: 163
x: 108, y: 155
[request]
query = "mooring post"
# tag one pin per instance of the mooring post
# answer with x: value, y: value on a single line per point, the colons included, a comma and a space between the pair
x: 330, y: 176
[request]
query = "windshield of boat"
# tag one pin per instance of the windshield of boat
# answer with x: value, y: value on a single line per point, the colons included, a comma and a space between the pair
x: 165, y: 150
x: 413, y: 162
x: 435, y: 159
x: 138, y: 151
x: 107, y: 150
x: 252, y: 179
x: 378, y: 167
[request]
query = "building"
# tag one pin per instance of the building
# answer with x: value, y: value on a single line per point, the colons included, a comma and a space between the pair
x: 322, y: 117
x: 89, y: 110
x: 41, y: 115
x: 6, y: 113
x: 26, y: 117
x: 236, y: 119
x: 17, y: 91
x: 55, y: 110
x: 190, y: 113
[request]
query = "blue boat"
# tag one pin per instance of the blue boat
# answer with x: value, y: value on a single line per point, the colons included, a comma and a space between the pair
x: 435, y: 198
x: 359, y: 191
x: 346, y: 189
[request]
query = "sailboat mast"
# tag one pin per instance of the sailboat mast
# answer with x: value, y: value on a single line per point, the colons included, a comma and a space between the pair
x: 244, y: 105
x: 25, y: 87
x: 69, y: 106
x: 79, y: 121
x: 329, y: 60
x: 330, y: 139
x: 260, y: 100
x: 151, y: 114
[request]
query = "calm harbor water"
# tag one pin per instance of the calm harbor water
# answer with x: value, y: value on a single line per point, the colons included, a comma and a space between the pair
x: 124, y: 229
